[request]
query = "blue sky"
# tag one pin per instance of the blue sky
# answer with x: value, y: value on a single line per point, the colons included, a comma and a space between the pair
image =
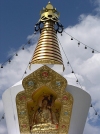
x: 81, y: 19
x: 17, y: 19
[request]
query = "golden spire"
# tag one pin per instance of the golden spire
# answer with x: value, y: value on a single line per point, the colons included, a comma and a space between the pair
x: 47, y: 50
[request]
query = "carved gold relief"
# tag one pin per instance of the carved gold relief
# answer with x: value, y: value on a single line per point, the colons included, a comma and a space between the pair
x: 44, y: 94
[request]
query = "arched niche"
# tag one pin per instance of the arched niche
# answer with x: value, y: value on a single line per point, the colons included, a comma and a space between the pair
x: 44, y: 82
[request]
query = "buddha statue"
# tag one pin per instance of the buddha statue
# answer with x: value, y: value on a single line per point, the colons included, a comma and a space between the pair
x: 44, y: 117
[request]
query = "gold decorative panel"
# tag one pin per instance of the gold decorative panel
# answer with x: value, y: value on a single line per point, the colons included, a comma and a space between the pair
x: 44, y: 106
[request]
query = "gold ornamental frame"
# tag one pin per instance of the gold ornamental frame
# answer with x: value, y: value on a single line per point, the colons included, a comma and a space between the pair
x: 44, y: 80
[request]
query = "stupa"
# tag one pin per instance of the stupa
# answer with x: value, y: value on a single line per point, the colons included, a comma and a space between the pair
x: 43, y: 102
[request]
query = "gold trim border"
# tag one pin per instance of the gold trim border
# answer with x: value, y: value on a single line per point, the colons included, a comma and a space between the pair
x: 55, y: 82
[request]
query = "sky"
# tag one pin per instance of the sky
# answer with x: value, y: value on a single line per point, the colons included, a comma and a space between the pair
x: 81, y: 19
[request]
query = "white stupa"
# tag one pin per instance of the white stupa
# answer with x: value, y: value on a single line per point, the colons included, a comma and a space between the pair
x: 45, y: 90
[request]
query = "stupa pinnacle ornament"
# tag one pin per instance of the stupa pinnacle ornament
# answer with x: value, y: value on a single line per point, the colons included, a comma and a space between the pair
x: 47, y: 50
x: 49, y: 13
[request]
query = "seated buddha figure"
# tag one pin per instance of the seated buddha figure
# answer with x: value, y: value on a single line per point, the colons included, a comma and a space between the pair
x: 44, y: 118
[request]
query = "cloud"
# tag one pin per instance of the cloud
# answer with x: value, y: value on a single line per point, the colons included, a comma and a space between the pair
x: 88, y: 67
x: 13, y: 72
x: 97, y: 4
x: 91, y: 129
x: 84, y: 63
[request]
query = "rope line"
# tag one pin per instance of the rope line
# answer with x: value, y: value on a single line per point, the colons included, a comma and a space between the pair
x: 96, y: 113
x: 81, y: 42
x: 16, y: 53
x: 69, y: 63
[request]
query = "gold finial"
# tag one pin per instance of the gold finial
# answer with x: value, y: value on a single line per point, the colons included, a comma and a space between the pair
x: 49, y: 13
x: 49, y: 6
x: 47, y: 50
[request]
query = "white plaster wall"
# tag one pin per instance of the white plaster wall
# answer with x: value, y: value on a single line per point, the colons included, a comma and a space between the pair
x: 9, y: 114
x: 9, y: 98
x: 56, y: 67
x: 9, y: 101
x: 81, y: 105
